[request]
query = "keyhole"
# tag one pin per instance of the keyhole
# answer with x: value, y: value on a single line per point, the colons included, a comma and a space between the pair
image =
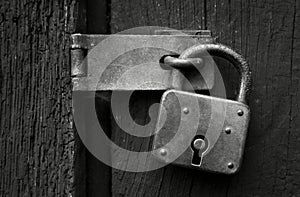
x: 199, y: 145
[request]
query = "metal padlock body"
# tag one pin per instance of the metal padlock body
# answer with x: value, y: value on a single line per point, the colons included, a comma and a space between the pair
x: 223, y: 122
x: 228, y: 149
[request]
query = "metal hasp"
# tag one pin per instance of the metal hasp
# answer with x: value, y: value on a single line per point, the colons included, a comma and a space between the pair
x: 220, y: 125
x: 136, y: 69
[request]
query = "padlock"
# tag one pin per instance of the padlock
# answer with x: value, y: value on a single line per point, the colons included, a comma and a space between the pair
x: 199, y: 131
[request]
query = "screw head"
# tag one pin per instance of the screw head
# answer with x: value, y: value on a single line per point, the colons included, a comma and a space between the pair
x: 240, y: 112
x: 230, y: 165
x: 228, y: 130
x: 186, y: 110
x: 163, y: 152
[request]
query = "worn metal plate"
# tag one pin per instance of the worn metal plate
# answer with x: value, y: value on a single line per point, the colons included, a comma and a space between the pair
x: 137, y: 68
x: 223, y: 123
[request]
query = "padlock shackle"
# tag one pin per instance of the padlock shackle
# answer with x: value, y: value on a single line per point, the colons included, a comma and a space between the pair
x: 219, y: 50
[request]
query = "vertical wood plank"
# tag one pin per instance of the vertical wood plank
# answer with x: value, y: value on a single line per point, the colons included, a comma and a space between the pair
x: 98, y: 174
x: 92, y: 177
x: 79, y: 165
x: 265, y: 33
x: 188, y: 14
x: 36, y: 142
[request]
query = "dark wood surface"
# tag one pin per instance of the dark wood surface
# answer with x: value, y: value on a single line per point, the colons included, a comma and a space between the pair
x: 36, y: 137
x: 267, y: 34
x: 92, y: 177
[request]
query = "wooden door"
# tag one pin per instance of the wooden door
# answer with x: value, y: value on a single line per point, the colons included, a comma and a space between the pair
x: 39, y: 156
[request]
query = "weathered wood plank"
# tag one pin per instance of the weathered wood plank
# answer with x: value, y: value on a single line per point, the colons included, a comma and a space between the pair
x: 92, y: 177
x: 176, y: 14
x: 266, y: 32
x: 37, y: 143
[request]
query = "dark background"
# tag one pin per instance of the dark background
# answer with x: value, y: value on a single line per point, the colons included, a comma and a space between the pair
x: 39, y: 152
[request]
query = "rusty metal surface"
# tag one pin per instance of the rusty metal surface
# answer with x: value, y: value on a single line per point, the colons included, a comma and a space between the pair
x: 124, y: 74
x: 78, y: 67
x: 226, y: 154
x: 237, y: 60
x: 202, y: 33
x: 183, y: 63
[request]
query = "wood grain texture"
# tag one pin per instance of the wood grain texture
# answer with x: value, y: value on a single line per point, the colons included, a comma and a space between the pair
x: 176, y: 14
x: 37, y: 143
x: 267, y: 34
x: 92, y: 177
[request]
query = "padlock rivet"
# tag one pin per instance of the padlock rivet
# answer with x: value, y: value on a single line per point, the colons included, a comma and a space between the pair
x: 240, y: 112
x: 163, y: 152
x: 186, y: 110
x: 228, y: 130
x: 230, y: 165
